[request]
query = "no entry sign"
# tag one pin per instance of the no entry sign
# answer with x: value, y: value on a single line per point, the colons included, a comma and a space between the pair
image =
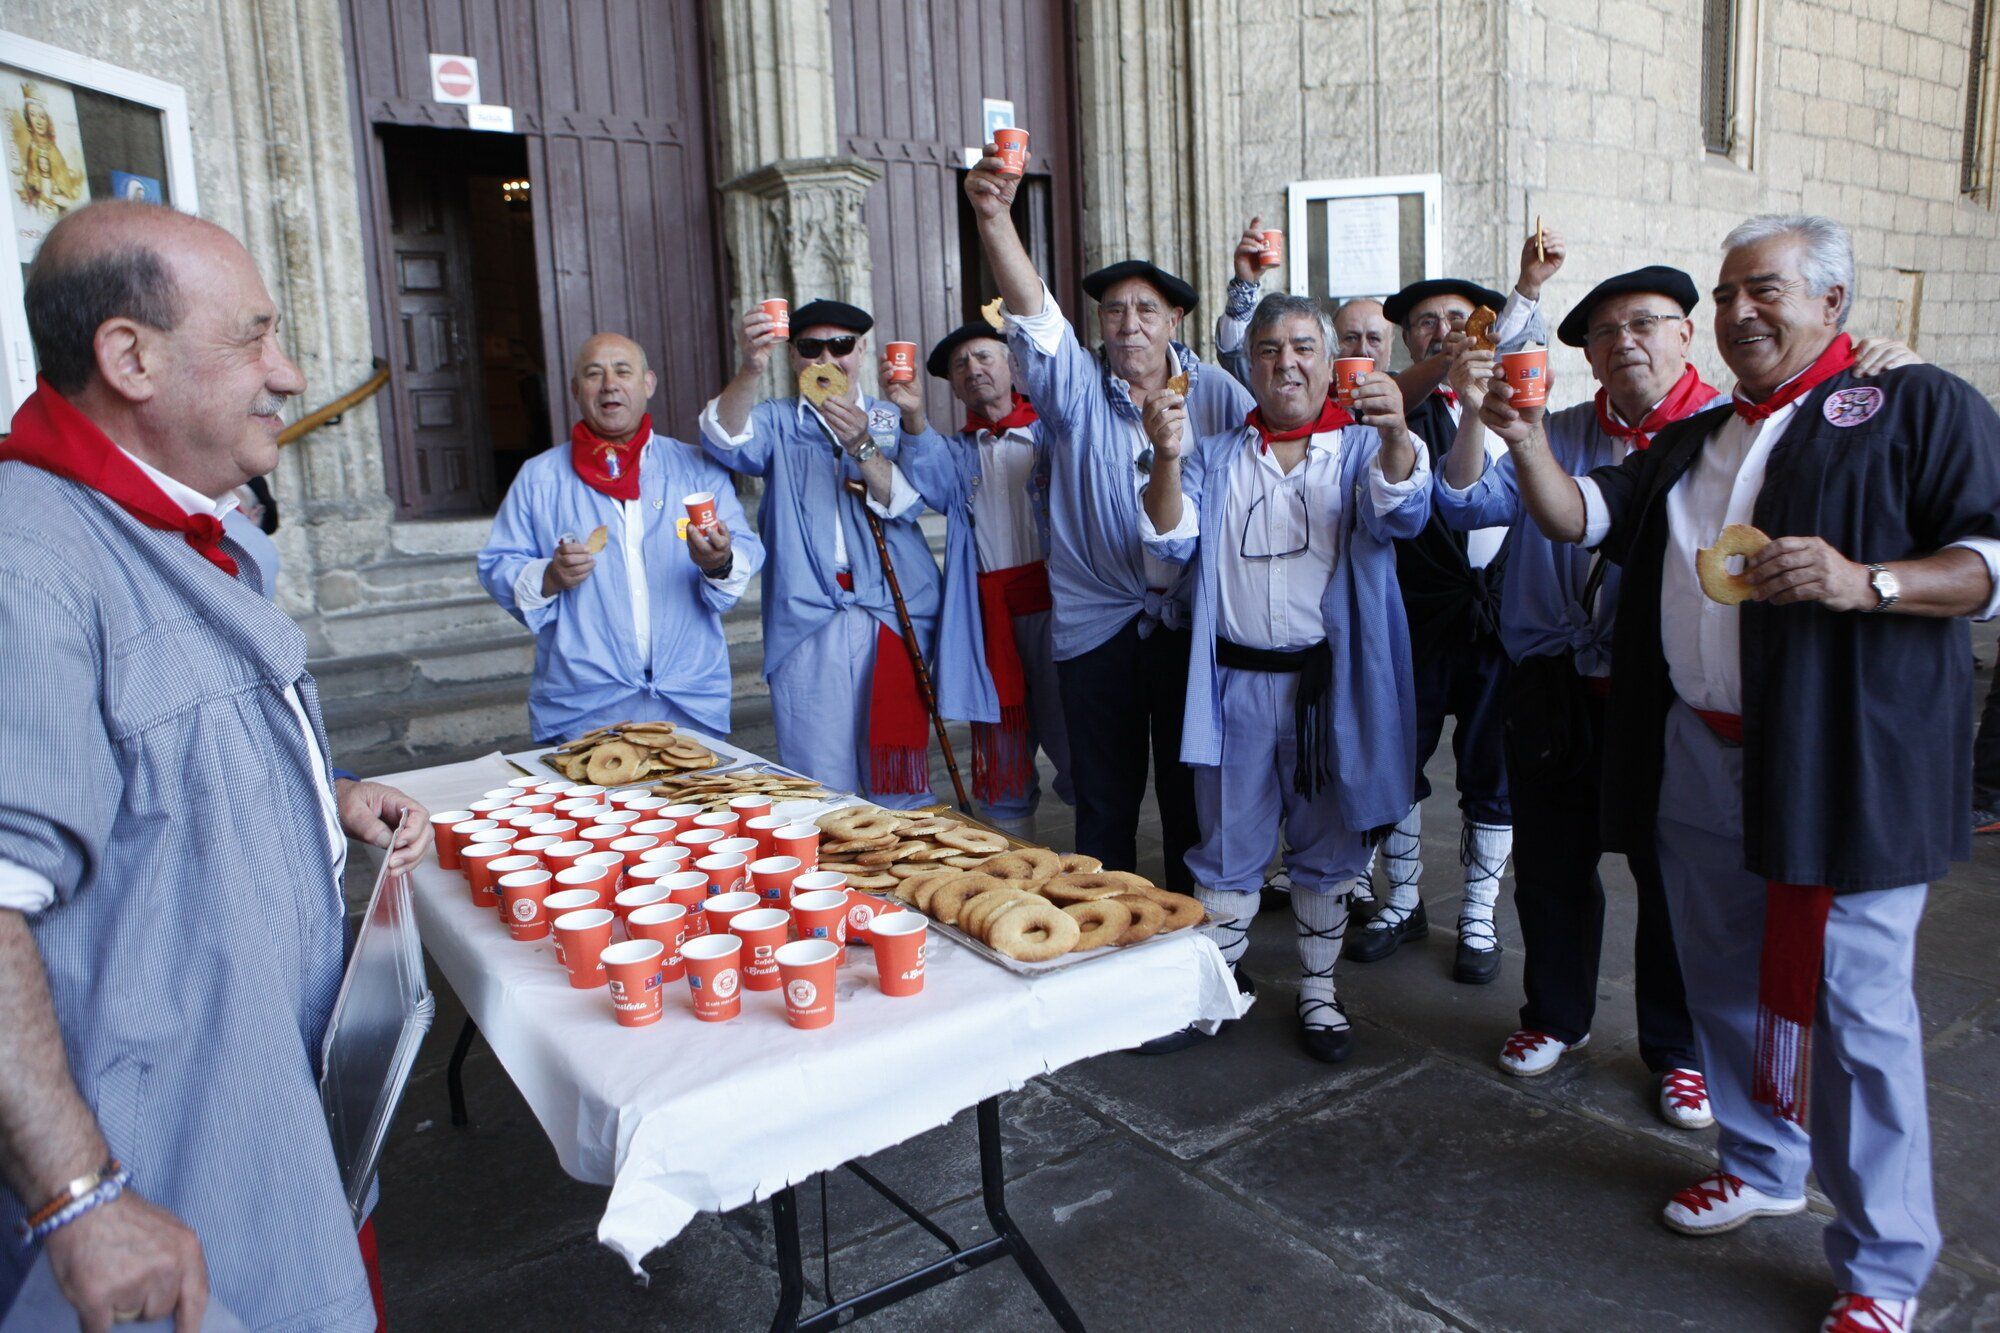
x: 454, y: 79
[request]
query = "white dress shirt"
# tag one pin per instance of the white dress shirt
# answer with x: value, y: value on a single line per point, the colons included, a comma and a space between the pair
x: 1275, y: 602
x: 1045, y: 329
x: 1003, y: 515
x: 528, y: 592
x: 24, y: 890
x: 1701, y: 637
x: 902, y: 496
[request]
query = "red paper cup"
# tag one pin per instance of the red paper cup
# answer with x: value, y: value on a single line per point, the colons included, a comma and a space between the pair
x: 563, y: 855
x: 761, y: 828
x: 668, y: 854
x: 669, y: 924
x: 763, y: 931
x: 689, y: 888
x: 648, y: 873
x: 587, y: 789
x: 564, y: 829
x: 500, y: 835
x: 557, y: 787
x: 537, y: 845
x: 902, y: 362
x: 800, y: 840
x: 1274, y: 249
x: 502, y: 866
x: 724, y: 908
x: 445, y: 840
x: 1347, y: 373
x: 479, y: 876
x: 577, y: 807
x: 464, y: 829
x: 715, y: 976
x: 1527, y: 375
x: 528, y: 822
x: 580, y: 939
x: 601, y: 836
x: 521, y: 903
x: 624, y: 819
x: 605, y: 860
x: 527, y: 784
x: 631, y: 900
x: 632, y: 846
x: 682, y: 814
x: 726, y: 873
x: 1013, y: 146
x: 636, y: 975
x: 537, y: 800
x: 700, y: 508
x: 806, y: 971
x: 773, y: 878
x: 643, y: 803
x: 506, y: 794
x: 507, y: 812
x: 577, y: 890
x: 724, y: 820
x: 628, y: 798
x: 899, y: 939
x: 663, y: 829
x: 780, y: 312
x: 821, y: 914
x: 867, y: 909
x: 698, y: 840
x: 751, y: 805
x: 486, y: 805
x: 743, y: 847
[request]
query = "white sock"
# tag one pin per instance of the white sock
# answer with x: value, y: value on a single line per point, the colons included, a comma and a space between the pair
x: 1402, y: 862
x: 1483, y: 850
x: 1321, y: 922
x: 1229, y: 918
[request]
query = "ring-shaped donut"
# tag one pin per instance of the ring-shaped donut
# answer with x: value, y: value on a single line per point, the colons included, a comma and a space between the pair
x: 1711, y: 563
x: 1033, y: 864
x: 1147, y: 918
x: 1033, y: 932
x: 1098, y: 923
x: 1182, y: 911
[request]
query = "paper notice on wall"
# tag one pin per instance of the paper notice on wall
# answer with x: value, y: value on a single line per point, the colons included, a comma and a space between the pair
x: 1363, y: 246
x: 46, y: 172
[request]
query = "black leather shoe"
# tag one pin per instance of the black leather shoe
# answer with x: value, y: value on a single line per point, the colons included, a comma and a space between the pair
x: 1192, y: 1035
x: 1373, y: 942
x: 1475, y: 967
x: 1326, y: 1045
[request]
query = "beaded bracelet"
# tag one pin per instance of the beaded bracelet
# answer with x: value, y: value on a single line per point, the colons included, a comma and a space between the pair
x: 107, y: 1189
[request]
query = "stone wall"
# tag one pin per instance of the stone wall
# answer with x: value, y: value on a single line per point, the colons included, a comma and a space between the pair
x: 267, y: 91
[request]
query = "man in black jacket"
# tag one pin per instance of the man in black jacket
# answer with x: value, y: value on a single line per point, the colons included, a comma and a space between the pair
x: 1801, y: 762
x: 1451, y: 593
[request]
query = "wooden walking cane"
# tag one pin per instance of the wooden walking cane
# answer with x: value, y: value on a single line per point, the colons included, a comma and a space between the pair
x: 860, y: 491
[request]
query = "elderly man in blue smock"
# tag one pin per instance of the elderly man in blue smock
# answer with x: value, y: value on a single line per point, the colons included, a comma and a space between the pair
x: 175, y: 868
x: 593, y: 551
x: 1300, y: 714
x: 995, y: 495
x: 844, y: 692
x: 1121, y: 636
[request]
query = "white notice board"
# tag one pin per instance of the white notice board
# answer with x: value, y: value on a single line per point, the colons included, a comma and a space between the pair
x: 1365, y: 236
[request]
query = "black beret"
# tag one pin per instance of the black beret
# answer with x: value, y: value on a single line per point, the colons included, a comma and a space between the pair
x: 837, y: 313
x: 1177, y: 292
x: 1397, y: 308
x: 939, y: 363
x: 1671, y: 283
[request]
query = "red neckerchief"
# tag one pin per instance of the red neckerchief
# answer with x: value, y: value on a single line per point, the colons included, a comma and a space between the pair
x: 1021, y: 414
x: 607, y: 467
x: 1331, y: 417
x: 1449, y: 395
x: 1838, y: 356
x: 1686, y: 398
x: 49, y: 433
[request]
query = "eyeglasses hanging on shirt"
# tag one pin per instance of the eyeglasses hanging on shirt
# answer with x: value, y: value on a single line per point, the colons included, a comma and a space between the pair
x: 1276, y: 527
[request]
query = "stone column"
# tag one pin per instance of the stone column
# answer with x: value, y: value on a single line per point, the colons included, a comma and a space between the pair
x: 1160, y: 87
x: 791, y: 199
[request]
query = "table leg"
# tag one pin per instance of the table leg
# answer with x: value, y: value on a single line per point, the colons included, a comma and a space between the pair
x: 993, y: 1183
x: 454, y: 1073
x: 791, y: 1270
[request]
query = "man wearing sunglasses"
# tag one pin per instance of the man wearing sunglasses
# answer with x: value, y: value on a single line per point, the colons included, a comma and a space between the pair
x: 1300, y: 713
x: 1121, y: 640
x: 844, y: 695
x: 1451, y: 586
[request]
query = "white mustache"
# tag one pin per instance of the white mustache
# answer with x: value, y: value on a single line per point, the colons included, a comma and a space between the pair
x: 267, y: 405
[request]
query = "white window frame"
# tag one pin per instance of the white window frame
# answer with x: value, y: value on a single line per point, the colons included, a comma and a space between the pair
x: 17, y: 357
x: 1746, y: 75
x: 1301, y: 195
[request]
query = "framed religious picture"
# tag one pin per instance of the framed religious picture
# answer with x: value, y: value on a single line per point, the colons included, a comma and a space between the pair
x: 46, y: 174
x: 143, y: 189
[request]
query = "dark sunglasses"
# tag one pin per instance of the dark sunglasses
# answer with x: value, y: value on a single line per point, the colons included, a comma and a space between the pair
x: 810, y: 348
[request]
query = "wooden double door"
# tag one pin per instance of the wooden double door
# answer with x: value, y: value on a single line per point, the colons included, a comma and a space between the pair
x: 495, y: 255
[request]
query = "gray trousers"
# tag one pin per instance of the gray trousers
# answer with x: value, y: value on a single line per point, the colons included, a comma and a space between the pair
x: 1870, y: 1141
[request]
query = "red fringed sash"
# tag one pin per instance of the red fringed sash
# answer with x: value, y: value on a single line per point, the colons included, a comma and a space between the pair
x: 899, y: 726
x: 1003, y: 754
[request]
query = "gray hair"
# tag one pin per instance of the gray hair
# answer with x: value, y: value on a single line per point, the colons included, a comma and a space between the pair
x: 1829, y: 257
x: 68, y: 300
x: 1278, y: 307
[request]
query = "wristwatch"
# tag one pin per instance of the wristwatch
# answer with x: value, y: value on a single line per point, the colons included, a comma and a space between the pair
x: 866, y: 450
x: 1888, y: 588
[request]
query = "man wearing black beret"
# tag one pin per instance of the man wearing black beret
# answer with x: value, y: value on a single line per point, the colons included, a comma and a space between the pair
x: 1121, y: 625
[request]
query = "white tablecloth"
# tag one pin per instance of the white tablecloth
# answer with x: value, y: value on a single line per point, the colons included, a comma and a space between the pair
x: 685, y: 1116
